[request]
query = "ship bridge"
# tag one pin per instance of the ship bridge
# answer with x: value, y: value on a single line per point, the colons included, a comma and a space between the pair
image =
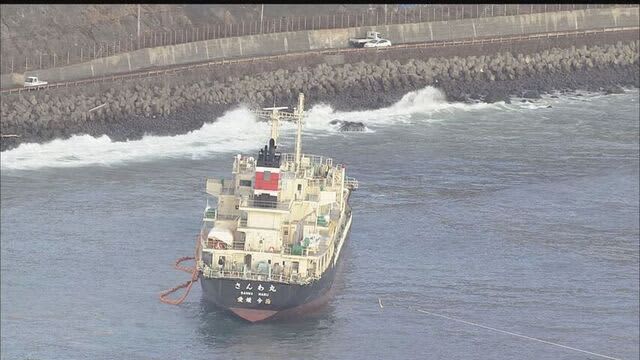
x: 281, y: 217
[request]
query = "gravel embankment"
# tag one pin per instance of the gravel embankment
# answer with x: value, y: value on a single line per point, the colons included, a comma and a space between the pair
x: 173, y: 105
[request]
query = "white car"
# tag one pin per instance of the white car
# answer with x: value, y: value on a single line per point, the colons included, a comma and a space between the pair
x: 378, y: 43
x: 33, y: 81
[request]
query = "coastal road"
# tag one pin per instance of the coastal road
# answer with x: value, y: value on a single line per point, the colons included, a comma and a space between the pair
x: 434, y: 44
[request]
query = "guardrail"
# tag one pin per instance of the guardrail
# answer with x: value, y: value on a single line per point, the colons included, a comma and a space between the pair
x: 175, y: 69
x: 75, y: 54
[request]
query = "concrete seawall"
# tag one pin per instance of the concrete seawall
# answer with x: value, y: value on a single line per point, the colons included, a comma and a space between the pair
x: 281, y: 43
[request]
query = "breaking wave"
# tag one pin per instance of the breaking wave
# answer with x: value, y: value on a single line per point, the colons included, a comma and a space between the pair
x: 428, y: 101
x: 236, y: 131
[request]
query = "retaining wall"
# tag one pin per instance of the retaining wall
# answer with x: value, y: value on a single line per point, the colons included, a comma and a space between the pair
x: 300, y: 41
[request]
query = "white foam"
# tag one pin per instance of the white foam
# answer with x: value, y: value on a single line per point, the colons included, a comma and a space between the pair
x: 236, y: 130
x: 427, y: 101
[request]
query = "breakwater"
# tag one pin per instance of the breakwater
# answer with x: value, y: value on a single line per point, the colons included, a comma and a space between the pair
x: 167, y: 106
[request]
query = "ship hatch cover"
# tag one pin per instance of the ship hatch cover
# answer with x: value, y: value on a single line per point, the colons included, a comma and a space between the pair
x: 224, y: 235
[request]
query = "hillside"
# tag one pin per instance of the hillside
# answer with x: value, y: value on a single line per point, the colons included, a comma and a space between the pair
x: 29, y: 29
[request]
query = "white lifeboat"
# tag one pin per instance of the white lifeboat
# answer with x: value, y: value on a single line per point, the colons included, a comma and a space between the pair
x: 224, y: 235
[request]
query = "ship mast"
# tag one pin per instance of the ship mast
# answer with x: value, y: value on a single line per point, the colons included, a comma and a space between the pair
x: 275, y: 115
x: 299, y: 111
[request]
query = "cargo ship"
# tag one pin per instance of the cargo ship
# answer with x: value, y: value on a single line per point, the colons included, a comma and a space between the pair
x: 271, y: 246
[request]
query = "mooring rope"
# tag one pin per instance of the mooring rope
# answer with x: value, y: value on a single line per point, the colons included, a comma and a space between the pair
x: 194, y: 278
x: 500, y: 331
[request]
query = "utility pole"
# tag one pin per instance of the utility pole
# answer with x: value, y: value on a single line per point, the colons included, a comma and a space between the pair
x: 385, y: 14
x: 138, y: 20
x: 261, y: 13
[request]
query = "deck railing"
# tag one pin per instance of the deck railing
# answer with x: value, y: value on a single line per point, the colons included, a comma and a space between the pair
x: 313, y: 159
x: 227, y: 217
x: 261, y: 204
x: 286, y: 276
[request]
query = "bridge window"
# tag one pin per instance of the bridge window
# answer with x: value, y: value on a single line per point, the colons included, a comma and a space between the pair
x: 245, y: 183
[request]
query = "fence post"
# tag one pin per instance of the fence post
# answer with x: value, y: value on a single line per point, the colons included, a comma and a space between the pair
x: 54, y: 59
x: 40, y: 66
x: 12, y: 64
x: 81, y: 54
x: 94, y: 50
x: 67, y: 57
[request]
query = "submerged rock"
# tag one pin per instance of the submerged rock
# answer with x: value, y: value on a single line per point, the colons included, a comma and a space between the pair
x: 496, y: 96
x: 613, y: 90
x: 348, y: 125
x: 531, y: 94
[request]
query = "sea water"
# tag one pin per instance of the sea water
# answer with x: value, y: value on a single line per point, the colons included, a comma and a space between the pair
x: 521, y: 217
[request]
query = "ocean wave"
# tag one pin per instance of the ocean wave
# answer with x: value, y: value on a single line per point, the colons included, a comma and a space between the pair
x: 236, y: 130
x: 427, y: 101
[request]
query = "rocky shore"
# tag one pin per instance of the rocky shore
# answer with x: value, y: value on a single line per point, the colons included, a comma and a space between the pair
x: 177, y: 104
